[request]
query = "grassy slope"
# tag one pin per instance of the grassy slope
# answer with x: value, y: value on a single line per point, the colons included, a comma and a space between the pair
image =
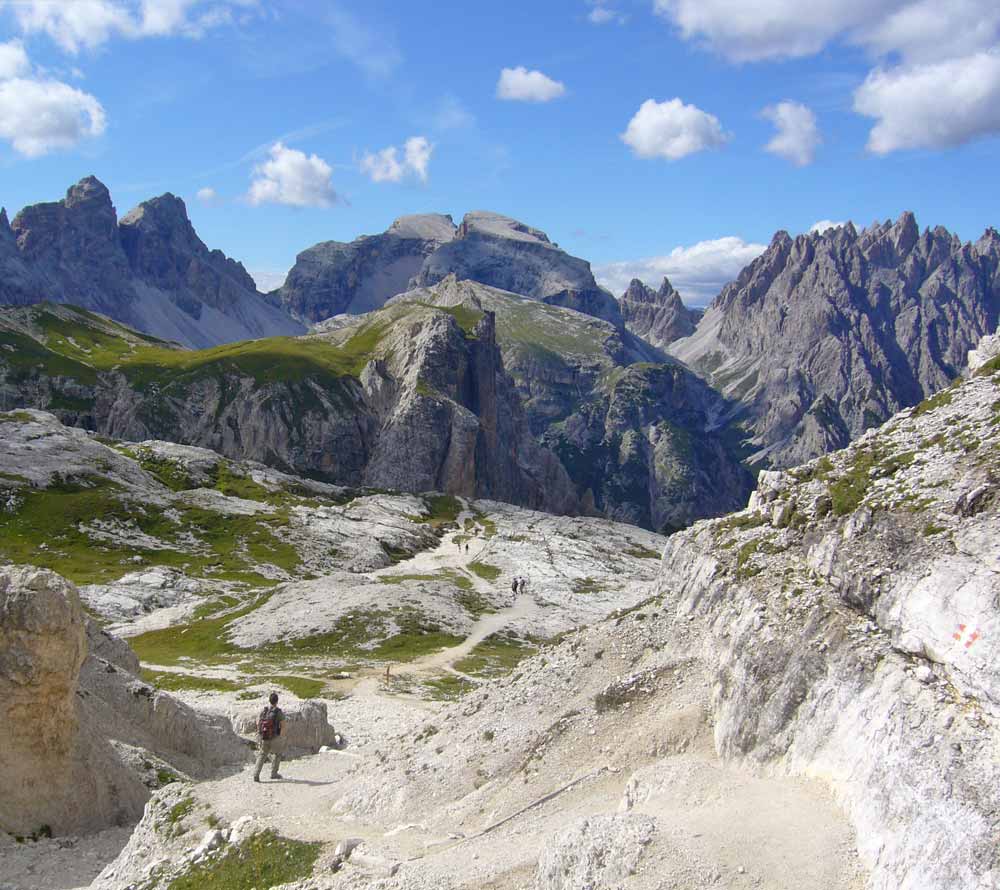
x: 69, y: 342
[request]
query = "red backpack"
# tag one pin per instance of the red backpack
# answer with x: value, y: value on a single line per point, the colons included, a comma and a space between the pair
x: 268, y: 724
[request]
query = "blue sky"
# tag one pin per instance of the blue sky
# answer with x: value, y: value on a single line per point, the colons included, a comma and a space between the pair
x: 634, y: 133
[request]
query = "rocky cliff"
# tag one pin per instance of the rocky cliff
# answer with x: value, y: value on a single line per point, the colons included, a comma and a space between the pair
x: 506, y: 254
x: 150, y: 271
x: 657, y: 317
x: 851, y: 617
x: 86, y: 740
x: 826, y: 335
x: 410, y: 398
x: 333, y: 277
x: 631, y: 430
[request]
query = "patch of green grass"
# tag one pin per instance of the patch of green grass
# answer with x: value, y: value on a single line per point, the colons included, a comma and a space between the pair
x: 443, y: 510
x: 474, y: 602
x: 261, y: 862
x: 302, y: 687
x: 168, y: 472
x: 203, y: 640
x: 640, y: 552
x: 47, y: 530
x: 180, y: 810
x: 739, y: 521
x: 365, y: 636
x: 849, y: 489
x: 172, y: 682
x: 495, y: 656
x: 932, y: 529
x: 587, y: 585
x: 744, y: 568
x: 488, y: 525
x: 448, y: 688
x: 938, y: 400
x: 15, y: 416
x: 165, y: 777
x: 484, y: 570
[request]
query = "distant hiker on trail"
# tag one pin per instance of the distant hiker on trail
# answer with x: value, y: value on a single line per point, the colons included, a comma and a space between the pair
x: 513, y: 585
x: 269, y: 734
x: 522, y: 584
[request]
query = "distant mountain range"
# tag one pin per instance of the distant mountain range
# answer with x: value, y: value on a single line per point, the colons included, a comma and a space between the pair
x: 481, y: 358
x: 150, y: 270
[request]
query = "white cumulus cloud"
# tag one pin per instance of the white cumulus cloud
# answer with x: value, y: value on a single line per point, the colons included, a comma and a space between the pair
x: 698, y: 272
x: 267, y: 279
x: 40, y: 116
x: 86, y: 24
x: 207, y: 195
x: 934, y: 30
x: 291, y: 177
x: 745, y: 32
x: 13, y: 59
x: 391, y: 165
x: 935, y: 85
x: 797, y: 137
x: 822, y: 225
x: 937, y: 105
x: 521, y: 85
x: 672, y: 130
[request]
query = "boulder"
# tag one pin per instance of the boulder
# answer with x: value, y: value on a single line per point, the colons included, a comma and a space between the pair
x: 306, y: 725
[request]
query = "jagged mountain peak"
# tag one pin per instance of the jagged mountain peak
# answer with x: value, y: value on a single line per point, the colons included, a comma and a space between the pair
x: 657, y: 316
x: 809, y: 339
x: 166, y: 207
x: 89, y: 190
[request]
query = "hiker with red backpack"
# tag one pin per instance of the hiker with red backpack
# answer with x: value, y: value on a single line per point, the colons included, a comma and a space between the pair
x: 269, y: 736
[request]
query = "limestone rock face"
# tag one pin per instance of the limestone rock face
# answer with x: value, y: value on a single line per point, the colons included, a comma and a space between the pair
x: 332, y: 277
x: 630, y: 429
x: 42, y: 646
x: 150, y: 271
x: 826, y: 335
x: 306, y: 727
x: 842, y: 608
x: 80, y: 726
x: 506, y: 254
x: 658, y: 317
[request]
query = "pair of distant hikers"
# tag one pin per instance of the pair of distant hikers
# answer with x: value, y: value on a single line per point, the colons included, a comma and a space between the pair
x: 519, y: 585
x: 269, y: 735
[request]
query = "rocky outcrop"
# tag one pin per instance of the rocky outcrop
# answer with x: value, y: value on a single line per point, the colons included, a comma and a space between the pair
x: 42, y: 647
x: 827, y: 335
x: 334, y: 277
x: 658, y: 317
x: 150, y: 271
x: 852, y: 623
x: 306, y: 728
x: 81, y: 729
x: 506, y: 254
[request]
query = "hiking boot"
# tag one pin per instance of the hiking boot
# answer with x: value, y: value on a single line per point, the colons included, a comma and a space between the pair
x: 277, y: 776
x: 256, y: 778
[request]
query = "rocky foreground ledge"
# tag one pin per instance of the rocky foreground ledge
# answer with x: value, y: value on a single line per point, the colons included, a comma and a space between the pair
x: 853, y: 629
